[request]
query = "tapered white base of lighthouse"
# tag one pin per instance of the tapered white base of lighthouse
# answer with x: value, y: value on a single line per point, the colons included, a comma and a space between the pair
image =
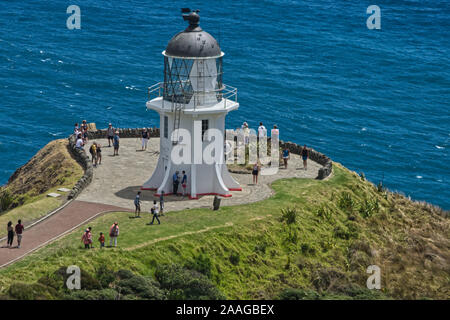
x: 203, y: 178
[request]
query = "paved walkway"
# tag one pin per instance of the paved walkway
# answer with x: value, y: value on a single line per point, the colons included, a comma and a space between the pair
x: 117, y: 180
x: 67, y: 219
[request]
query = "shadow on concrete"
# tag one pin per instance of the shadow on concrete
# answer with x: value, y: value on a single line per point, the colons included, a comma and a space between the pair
x: 146, y: 195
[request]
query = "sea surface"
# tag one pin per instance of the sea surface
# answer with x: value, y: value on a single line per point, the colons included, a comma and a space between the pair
x: 377, y: 101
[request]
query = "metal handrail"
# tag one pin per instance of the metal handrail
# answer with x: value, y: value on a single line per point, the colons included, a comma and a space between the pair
x: 225, y: 93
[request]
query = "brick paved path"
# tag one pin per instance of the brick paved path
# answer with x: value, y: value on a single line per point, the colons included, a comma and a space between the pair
x: 67, y: 219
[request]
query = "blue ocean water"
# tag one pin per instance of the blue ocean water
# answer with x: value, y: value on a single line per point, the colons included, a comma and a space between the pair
x: 375, y: 100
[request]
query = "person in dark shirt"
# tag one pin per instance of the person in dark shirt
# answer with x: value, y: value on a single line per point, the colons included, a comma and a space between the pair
x: 305, y: 155
x: 19, y: 229
x: 176, y: 182
x: 184, y: 183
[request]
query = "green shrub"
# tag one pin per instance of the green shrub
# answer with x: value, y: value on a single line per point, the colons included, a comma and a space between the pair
x: 124, y: 274
x: 201, y: 263
x: 234, y: 258
x: 183, y: 284
x: 298, y: 294
x: 368, y: 207
x: 346, y: 201
x: 105, y: 276
x: 87, y: 281
x: 35, y: 291
x: 324, y: 212
x: 104, y: 294
x: 6, y: 200
x: 289, y: 215
x: 141, y: 287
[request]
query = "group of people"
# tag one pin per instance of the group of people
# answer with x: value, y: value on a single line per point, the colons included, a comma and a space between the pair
x: 113, y: 136
x: 86, y: 238
x: 155, y: 210
x: 11, y: 231
x: 262, y: 133
x: 176, y: 182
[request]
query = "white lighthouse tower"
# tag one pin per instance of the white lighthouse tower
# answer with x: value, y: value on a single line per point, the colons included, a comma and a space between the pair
x: 192, y: 99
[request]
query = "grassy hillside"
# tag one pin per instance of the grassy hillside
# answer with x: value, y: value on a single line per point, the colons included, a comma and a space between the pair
x: 312, y: 239
x: 24, y: 197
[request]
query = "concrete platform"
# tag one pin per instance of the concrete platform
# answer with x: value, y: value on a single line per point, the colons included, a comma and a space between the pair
x: 117, y: 180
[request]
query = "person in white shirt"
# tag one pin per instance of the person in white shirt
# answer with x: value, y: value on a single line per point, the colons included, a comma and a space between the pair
x: 80, y: 142
x: 262, y: 131
x: 246, y: 132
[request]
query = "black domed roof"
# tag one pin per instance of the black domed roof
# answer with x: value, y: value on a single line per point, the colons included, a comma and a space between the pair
x: 193, y: 42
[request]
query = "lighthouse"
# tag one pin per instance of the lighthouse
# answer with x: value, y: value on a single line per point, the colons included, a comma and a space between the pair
x: 192, y: 104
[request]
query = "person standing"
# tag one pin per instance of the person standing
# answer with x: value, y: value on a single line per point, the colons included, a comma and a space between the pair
x: 286, y: 157
x: 255, y: 173
x: 305, y: 156
x: 116, y: 143
x: 10, y: 231
x: 275, y: 133
x: 91, y: 244
x: 161, y: 203
x: 19, y: 229
x: 93, y: 152
x: 262, y: 131
x: 176, y: 182
x: 184, y: 183
x: 101, y: 239
x: 154, y: 211
x: 110, y: 134
x: 99, y: 153
x: 85, y: 239
x: 246, y: 132
x: 76, y: 130
x: 137, y: 204
x: 145, y: 138
x: 113, y: 234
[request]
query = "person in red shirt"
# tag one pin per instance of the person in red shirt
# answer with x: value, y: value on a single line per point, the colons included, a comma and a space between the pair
x: 101, y: 239
x: 19, y: 229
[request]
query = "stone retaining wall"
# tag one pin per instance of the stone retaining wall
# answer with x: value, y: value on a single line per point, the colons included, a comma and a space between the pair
x: 124, y: 133
x: 83, y: 159
x: 314, y: 155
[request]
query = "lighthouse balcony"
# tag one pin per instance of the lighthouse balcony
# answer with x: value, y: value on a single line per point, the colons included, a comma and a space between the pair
x: 217, y: 101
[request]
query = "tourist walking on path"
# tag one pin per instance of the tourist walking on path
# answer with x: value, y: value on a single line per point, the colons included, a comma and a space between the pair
x: 255, y: 173
x: 305, y: 156
x: 85, y: 239
x: 184, y: 182
x: 10, y: 231
x: 19, y: 229
x: 161, y: 203
x: 93, y: 152
x: 137, y: 204
x: 113, y: 234
x: 116, y: 143
x: 101, y: 239
x: 145, y: 138
x: 154, y: 212
x: 176, y: 182
x: 99, y: 154
x: 110, y: 134
x: 286, y: 157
